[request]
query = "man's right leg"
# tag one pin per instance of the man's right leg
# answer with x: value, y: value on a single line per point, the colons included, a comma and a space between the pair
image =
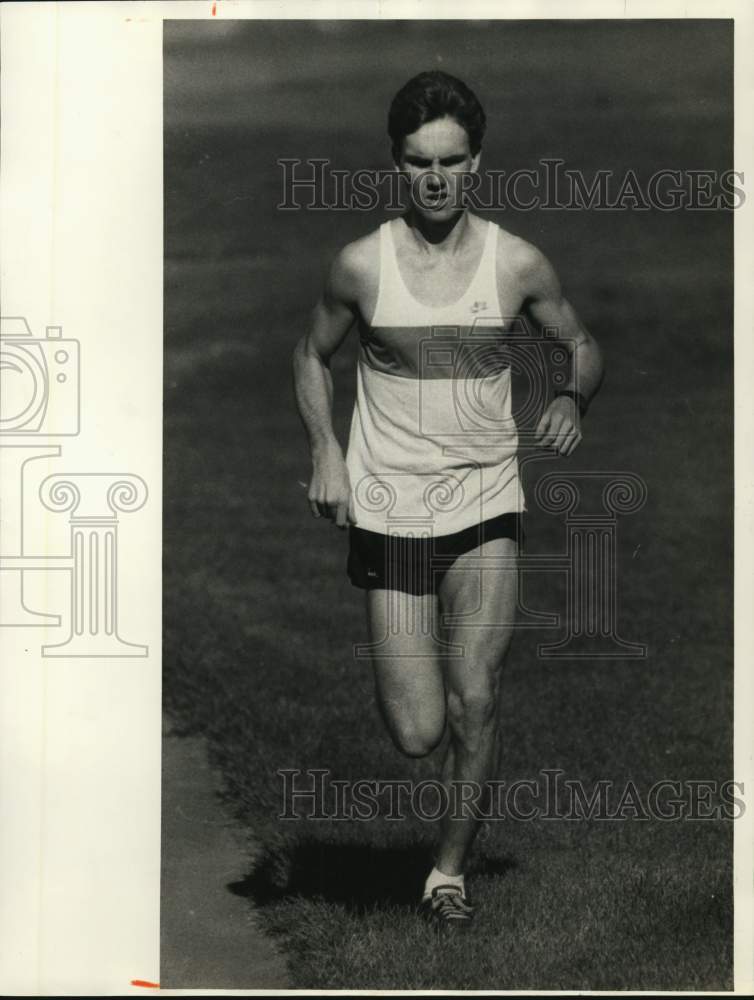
x: 408, y: 676
x: 410, y: 686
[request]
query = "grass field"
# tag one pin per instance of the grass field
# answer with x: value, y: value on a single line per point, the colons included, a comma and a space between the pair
x: 260, y: 619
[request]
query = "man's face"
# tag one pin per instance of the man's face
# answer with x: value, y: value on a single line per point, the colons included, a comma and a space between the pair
x: 436, y: 157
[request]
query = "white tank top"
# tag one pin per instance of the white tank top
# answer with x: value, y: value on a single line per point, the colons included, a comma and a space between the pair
x: 432, y: 448
x: 397, y: 307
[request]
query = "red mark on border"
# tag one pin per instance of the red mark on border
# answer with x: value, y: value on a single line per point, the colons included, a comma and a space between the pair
x: 214, y: 9
x: 144, y: 982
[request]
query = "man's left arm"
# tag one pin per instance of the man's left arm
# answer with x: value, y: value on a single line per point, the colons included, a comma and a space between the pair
x: 560, y: 425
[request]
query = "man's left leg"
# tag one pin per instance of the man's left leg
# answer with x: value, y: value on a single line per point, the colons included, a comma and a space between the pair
x: 488, y: 602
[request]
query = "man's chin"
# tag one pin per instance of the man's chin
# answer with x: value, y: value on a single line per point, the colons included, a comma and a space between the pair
x: 440, y: 212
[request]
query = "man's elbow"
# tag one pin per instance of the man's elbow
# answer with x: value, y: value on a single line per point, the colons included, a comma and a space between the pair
x: 305, y: 352
x: 300, y: 349
x: 304, y: 349
x: 299, y: 360
x: 598, y: 362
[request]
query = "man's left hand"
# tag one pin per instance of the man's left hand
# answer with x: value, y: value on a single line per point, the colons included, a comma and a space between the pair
x: 560, y: 426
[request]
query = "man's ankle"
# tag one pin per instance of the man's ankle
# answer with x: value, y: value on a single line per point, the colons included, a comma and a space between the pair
x: 437, y: 878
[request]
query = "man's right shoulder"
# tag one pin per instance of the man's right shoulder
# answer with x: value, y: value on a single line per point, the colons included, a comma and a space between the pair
x: 356, y: 267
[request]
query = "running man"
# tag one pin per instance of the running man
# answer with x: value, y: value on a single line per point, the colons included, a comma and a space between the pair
x: 433, y: 503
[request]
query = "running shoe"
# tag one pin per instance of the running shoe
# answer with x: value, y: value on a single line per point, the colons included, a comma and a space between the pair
x: 447, y: 909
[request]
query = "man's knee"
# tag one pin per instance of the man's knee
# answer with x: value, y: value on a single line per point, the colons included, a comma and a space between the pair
x: 472, y: 707
x: 417, y: 741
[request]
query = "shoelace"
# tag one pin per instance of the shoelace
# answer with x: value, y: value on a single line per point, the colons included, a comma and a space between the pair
x: 448, y: 903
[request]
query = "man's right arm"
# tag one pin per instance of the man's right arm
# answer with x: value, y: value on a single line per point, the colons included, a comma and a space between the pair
x: 332, y: 318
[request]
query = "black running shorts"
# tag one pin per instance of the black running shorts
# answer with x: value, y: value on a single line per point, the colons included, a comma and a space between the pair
x: 417, y: 565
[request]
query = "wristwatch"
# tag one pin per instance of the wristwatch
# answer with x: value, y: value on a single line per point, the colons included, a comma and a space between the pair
x: 576, y: 397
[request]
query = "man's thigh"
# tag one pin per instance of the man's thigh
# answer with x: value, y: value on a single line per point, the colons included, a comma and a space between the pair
x: 478, y: 600
x: 403, y: 631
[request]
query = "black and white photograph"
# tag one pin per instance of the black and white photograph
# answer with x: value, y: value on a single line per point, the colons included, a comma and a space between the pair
x: 376, y: 496
x: 448, y: 504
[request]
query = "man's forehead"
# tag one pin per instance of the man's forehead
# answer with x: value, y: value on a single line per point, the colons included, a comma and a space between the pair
x: 441, y: 137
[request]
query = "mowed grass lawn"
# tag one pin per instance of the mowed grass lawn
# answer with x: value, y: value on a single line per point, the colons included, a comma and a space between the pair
x: 260, y: 620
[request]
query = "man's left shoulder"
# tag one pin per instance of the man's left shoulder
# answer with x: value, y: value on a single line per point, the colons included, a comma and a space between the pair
x: 521, y: 261
x: 516, y: 253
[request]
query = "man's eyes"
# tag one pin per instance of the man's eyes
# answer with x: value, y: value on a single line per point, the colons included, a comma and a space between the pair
x: 449, y: 161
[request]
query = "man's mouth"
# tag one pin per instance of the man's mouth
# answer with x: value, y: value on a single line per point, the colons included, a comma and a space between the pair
x: 434, y: 199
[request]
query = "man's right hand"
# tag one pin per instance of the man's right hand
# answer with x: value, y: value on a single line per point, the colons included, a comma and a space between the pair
x: 330, y: 487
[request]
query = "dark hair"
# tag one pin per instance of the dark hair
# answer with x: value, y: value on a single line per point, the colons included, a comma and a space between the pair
x: 432, y: 95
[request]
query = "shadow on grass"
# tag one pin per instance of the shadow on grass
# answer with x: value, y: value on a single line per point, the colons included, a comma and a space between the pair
x: 360, y: 877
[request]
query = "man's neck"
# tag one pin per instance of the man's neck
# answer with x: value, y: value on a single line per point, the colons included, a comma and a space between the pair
x: 434, y: 237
